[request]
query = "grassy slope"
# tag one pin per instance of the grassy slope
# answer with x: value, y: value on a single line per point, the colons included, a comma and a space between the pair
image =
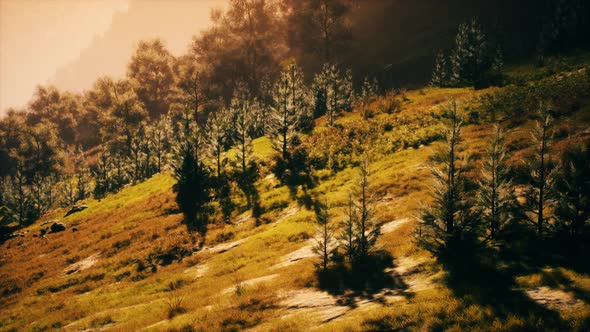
x: 121, y: 292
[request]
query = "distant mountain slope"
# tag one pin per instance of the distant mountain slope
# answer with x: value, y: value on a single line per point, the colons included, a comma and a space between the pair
x: 174, y: 22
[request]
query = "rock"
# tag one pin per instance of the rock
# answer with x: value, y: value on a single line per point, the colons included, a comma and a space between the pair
x: 74, y: 229
x: 57, y: 227
x: 43, y: 231
x: 13, y: 235
x: 75, y: 209
x: 48, y: 222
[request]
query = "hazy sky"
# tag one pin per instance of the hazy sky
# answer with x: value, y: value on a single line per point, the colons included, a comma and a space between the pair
x: 70, y: 43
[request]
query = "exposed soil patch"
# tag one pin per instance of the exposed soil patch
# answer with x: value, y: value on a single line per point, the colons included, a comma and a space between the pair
x: 250, y: 282
x: 222, y: 247
x: 553, y: 298
x: 197, y: 271
x: 82, y: 265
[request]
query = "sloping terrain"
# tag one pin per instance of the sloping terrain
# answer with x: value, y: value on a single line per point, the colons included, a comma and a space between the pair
x: 132, y: 265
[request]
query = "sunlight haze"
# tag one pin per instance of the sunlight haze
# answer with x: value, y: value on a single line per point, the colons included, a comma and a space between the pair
x: 71, y: 43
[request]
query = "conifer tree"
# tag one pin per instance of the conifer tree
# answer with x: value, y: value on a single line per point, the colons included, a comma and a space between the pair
x: 325, y: 230
x: 348, y: 230
x: 542, y: 173
x: 83, y: 182
x: 137, y: 153
x: 573, y: 191
x: 120, y: 173
x: 69, y: 191
x: 39, y: 202
x: 368, y: 229
x: 20, y: 196
x: 440, y: 75
x: 498, y: 61
x: 101, y: 174
x: 193, y: 183
x: 216, y: 137
x: 243, y: 110
x: 468, y: 59
x: 289, y: 107
x: 369, y: 90
x: 495, y: 190
x: 336, y: 88
x: 449, y: 215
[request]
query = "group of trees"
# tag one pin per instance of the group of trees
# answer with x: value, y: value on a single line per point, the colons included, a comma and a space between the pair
x: 353, y: 240
x: 472, y: 61
x: 555, y: 195
x: 126, y: 130
x: 139, y: 134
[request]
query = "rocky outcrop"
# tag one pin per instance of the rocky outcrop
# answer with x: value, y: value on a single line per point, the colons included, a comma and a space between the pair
x: 57, y: 227
x: 75, y: 209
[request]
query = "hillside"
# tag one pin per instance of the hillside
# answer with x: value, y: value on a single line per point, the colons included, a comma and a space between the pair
x: 130, y: 264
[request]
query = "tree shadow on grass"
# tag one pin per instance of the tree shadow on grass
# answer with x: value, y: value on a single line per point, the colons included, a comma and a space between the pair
x: 372, y: 280
x: 525, y: 253
x: 477, y: 275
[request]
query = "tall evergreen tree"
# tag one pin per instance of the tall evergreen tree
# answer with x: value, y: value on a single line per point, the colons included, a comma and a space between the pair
x: 573, y: 192
x: 20, y: 197
x: 243, y: 109
x: 468, y: 59
x: 368, y: 229
x: 495, y: 196
x: 101, y: 174
x: 325, y: 230
x: 336, y: 88
x: 448, y: 216
x: 216, y: 137
x: 348, y: 230
x: 542, y: 172
x: 289, y: 106
x: 193, y: 184
x: 440, y: 74
x: 369, y: 90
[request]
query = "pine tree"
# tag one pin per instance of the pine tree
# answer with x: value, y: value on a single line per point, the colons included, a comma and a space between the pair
x: 542, y: 173
x: 498, y: 61
x: 101, y: 174
x: 468, y: 59
x: 137, y: 153
x: 573, y: 192
x: 21, y: 197
x: 440, y: 75
x: 37, y: 188
x: 448, y: 216
x: 161, y: 140
x: 368, y: 92
x: 68, y: 190
x: 368, y: 229
x: 120, y: 173
x: 289, y: 107
x: 193, y: 182
x: 325, y: 230
x: 495, y: 190
x: 243, y: 110
x: 336, y: 89
x: 216, y: 137
x: 348, y: 230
